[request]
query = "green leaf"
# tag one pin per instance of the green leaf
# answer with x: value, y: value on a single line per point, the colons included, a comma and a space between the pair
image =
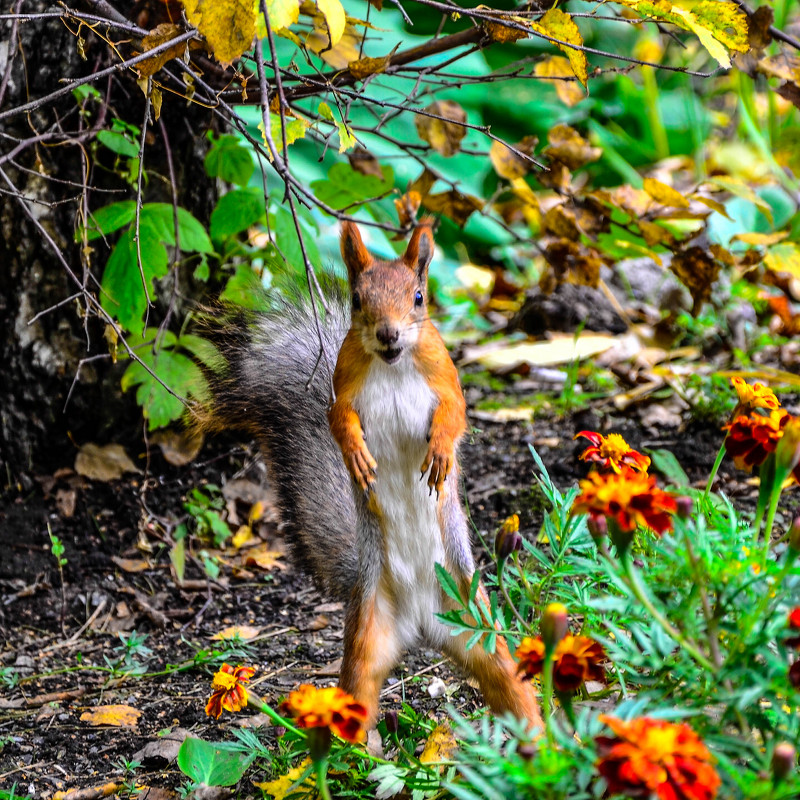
x: 123, y: 292
x: 665, y: 462
x: 235, y: 212
x: 344, y: 187
x: 161, y: 217
x: 176, y: 371
x: 229, y: 160
x: 286, y: 234
x: 243, y: 288
x: 202, y: 349
x: 448, y: 583
x: 213, y: 763
x: 118, y: 143
x: 346, y: 138
x: 108, y: 219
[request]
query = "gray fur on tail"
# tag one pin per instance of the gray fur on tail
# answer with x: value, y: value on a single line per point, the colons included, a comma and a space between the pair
x: 266, y: 387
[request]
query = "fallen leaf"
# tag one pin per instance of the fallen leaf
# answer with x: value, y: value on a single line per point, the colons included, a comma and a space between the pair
x: 264, y: 559
x: 440, y: 746
x: 280, y: 787
x: 117, y: 716
x: 560, y: 350
x: 107, y: 463
x: 161, y: 751
x: 242, y: 631
x: 503, y: 415
x: 697, y: 271
x: 132, y: 565
x: 179, y: 448
x: 318, y: 623
x: 242, y: 536
x: 664, y: 194
x: 65, y: 502
x: 784, y: 258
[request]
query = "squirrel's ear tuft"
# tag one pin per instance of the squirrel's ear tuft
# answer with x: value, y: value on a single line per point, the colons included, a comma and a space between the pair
x: 355, y: 255
x: 420, y: 249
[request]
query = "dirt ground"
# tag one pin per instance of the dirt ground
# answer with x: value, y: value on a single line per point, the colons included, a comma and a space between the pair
x: 118, y: 584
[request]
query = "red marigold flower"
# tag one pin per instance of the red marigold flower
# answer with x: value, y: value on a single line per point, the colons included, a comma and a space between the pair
x: 229, y: 694
x: 793, y: 622
x: 649, y: 757
x: 755, y: 396
x: 629, y: 498
x: 612, y: 451
x: 576, y: 659
x: 331, y: 708
x: 751, y: 439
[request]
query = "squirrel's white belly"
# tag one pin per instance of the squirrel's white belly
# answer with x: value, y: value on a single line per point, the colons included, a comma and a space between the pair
x: 395, y: 407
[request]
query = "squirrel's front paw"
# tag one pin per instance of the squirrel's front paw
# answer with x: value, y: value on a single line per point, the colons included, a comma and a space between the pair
x: 439, y: 460
x: 361, y: 465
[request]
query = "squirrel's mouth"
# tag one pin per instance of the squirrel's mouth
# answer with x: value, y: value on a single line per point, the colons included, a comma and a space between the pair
x: 391, y: 355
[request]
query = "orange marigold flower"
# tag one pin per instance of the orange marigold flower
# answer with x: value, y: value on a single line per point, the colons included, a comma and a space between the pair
x: 576, y: 659
x: 612, y: 451
x: 229, y: 694
x: 654, y: 758
x: 751, y: 439
x: 793, y: 623
x: 755, y: 396
x: 330, y: 708
x: 629, y: 498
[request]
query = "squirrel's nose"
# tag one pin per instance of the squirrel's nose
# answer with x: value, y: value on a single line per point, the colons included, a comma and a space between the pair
x: 387, y: 335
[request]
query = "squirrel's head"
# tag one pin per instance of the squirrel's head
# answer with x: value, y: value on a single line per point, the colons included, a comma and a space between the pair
x: 389, y: 298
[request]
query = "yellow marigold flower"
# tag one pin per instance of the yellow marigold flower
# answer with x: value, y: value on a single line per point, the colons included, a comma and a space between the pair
x: 654, y: 758
x: 755, y: 396
x: 630, y: 498
x: 612, y: 452
x: 229, y: 693
x: 331, y: 708
x: 576, y: 659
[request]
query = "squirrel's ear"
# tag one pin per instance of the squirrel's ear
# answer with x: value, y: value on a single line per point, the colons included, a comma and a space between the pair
x: 420, y: 250
x: 355, y: 255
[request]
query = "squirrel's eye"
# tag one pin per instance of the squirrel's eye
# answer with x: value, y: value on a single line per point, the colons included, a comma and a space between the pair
x: 418, y: 298
x: 356, y: 302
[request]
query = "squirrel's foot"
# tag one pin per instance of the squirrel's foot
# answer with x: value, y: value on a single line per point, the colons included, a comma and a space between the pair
x: 361, y: 465
x: 439, y: 460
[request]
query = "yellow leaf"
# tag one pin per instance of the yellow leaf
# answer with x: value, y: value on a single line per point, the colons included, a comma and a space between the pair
x: 441, y: 745
x: 557, y: 24
x: 117, y: 716
x: 476, y: 279
x: 569, y: 147
x: 280, y: 787
x: 453, y: 204
x: 443, y: 135
x: 784, y: 258
x: 232, y: 631
x: 711, y: 203
x: 282, y: 14
x: 340, y: 55
x: 558, y: 67
x: 264, y: 559
x: 503, y: 33
x: 560, y: 350
x: 664, y: 194
x: 509, y: 164
x: 334, y: 17
x: 242, y: 536
x: 760, y: 239
x: 364, y: 67
x: 295, y: 129
x: 228, y: 25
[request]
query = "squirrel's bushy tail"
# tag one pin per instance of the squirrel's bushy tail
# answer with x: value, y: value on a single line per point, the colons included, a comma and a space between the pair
x: 273, y: 384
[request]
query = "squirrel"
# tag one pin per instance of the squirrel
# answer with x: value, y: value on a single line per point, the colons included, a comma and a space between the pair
x: 349, y: 475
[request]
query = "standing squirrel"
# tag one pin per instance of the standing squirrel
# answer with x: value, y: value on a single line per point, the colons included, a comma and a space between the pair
x: 358, y: 514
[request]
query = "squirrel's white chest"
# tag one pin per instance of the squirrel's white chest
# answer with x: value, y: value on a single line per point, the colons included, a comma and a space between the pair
x: 395, y: 407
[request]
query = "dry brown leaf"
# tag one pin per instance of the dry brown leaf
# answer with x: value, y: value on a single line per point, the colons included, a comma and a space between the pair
x: 88, y: 793
x: 453, y: 204
x: 560, y: 221
x: 65, y: 502
x: 560, y: 350
x: 117, y: 716
x: 264, y: 558
x: 407, y: 207
x: 242, y: 631
x: 440, y: 746
x: 107, y: 463
x: 664, y: 194
x: 179, y: 448
x: 364, y: 67
x: 758, y: 26
x: 132, y: 565
x: 697, y: 271
x: 569, y: 147
x: 364, y: 162
x: 158, y: 36
x: 443, y: 135
x: 318, y: 623
x: 501, y: 32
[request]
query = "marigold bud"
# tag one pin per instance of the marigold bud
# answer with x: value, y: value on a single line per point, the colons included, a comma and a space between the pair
x: 508, y: 539
x: 684, y: 506
x: 526, y: 751
x: 555, y: 624
x: 598, y: 527
x: 794, y: 535
x: 784, y: 757
x: 392, y: 724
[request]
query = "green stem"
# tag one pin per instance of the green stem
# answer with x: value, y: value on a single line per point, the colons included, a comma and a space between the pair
x: 256, y: 702
x: 773, y: 507
x: 501, y: 583
x: 321, y: 768
x: 547, y: 692
x: 641, y: 595
x: 714, y: 470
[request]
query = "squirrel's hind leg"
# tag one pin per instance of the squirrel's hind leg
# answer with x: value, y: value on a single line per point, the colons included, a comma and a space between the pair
x: 371, y: 649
